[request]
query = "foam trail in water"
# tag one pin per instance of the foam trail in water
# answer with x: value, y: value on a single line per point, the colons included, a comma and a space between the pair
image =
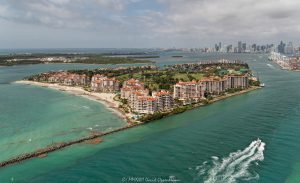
x: 235, y: 166
x: 271, y: 66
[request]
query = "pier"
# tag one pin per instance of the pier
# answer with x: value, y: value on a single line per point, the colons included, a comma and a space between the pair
x: 57, y: 146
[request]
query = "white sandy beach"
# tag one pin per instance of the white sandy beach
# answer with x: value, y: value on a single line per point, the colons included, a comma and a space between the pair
x: 106, y: 99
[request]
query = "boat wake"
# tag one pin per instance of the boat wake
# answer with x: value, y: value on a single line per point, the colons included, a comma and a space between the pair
x: 234, y: 167
x: 271, y: 66
x: 85, y: 107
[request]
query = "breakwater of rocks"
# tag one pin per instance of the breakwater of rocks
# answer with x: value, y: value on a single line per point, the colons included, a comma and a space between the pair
x: 57, y: 146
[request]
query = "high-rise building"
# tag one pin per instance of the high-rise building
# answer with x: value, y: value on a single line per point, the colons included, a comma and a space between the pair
x: 239, y: 47
x: 244, y: 47
x: 257, y: 48
x: 263, y: 48
x: 253, y: 48
x: 281, y: 47
x: 289, y: 49
x: 229, y: 49
x: 216, y: 47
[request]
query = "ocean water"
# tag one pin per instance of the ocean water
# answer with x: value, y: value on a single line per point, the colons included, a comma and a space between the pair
x: 249, y: 138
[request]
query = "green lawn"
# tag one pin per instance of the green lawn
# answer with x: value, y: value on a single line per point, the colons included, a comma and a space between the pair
x: 188, y: 77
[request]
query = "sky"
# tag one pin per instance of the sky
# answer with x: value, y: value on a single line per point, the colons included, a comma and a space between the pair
x: 146, y: 23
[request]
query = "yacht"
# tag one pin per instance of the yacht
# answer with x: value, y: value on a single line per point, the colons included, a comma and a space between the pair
x: 262, y: 85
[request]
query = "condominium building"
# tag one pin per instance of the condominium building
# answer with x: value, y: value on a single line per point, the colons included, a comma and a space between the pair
x: 187, y: 91
x: 132, y: 83
x: 145, y: 105
x: 104, y: 84
x: 139, y: 100
x: 215, y: 84
x: 57, y: 77
x: 237, y: 81
x: 68, y: 78
x: 134, y: 95
x: 165, y: 100
x: 75, y: 79
x: 130, y: 86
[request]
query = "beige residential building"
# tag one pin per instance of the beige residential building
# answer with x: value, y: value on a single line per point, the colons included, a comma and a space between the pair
x: 189, y: 91
x: 193, y: 91
x: 165, y: 100
x: 135, y: 95
x: 130, y: 86
x: 215, y: 85
x: 145, y: 105
x: 104, y: 84
x: 68, y: 79
x: 238, y: 81
x: 140, y: 101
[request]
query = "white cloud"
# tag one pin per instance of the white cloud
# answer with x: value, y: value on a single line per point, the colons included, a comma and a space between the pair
x: 168, y: 23
x: 231, y: 19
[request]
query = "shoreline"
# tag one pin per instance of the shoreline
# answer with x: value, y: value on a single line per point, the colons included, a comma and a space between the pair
x: 107, y: 99
x: 216, y: 99
x: 94, y: 139
x: 151, y: 62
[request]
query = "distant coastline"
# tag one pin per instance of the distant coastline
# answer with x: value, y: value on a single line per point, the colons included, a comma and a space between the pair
x: 28, y: 59
x: 285, y: 62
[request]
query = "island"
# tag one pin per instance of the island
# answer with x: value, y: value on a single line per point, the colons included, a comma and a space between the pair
x: 143, y: 94
x: 25, y: 59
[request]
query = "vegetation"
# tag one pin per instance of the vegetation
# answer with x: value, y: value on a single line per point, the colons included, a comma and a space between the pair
x: 9, y: 60
x: 233, y: 90
x: 98, y: 59
x: 254, y: 82
x: 155, y: 78
x: 177, y: 110
x: 23, y: 62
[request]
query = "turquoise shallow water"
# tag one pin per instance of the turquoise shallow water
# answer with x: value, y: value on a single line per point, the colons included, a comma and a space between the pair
x: 201, y: 145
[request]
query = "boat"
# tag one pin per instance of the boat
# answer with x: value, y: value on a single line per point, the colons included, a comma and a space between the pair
x: 258, y: 142
x: 262, y: 85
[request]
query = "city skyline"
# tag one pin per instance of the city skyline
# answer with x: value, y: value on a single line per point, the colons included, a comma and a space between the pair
x: 145, y: 24
x: 244, y: 47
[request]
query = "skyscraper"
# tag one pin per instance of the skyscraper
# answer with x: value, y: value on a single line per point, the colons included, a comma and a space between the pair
x: 239, y: 47
x: 253, y: 47
x: 281, y: 47
x: 289, y: 49
x: 229, y: 49
x: 244, y: 47
x: 216, y: 47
